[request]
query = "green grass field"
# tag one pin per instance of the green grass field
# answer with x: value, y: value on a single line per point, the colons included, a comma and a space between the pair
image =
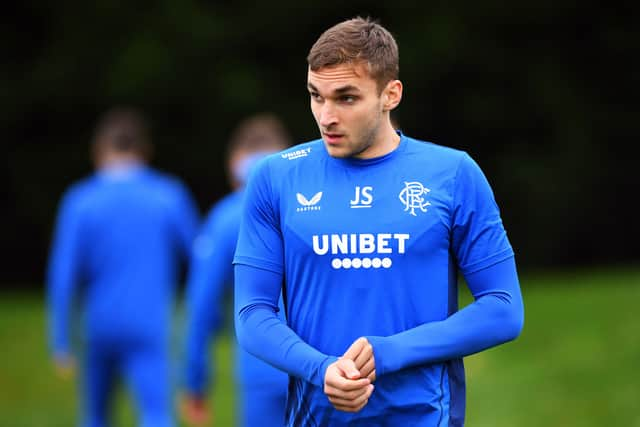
x: 574, y: 364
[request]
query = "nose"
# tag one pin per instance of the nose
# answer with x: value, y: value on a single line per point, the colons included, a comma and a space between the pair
x: 327, y: 116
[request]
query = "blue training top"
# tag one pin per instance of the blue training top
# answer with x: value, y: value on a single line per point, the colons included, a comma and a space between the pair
x: 372, y: 248
x: 118, y: 240
x: 210, y: 275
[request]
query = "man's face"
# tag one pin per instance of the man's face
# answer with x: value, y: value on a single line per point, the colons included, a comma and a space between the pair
x: 348, y: 108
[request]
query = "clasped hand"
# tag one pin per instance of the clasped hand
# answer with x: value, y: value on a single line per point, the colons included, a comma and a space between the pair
x: 348, y: 381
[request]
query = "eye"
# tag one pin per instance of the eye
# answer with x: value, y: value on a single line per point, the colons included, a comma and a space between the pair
x: 315, y: 96
x: 348, y: 99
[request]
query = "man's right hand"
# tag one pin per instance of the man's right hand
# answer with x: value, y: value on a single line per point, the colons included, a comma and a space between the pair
x: 195, y: 411
x: 64, y: 365
x: 344, y: 388
x: 361, y: 352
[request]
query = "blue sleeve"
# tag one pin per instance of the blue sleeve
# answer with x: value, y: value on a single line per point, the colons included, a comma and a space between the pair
x: 210, y: 272
x: 258, y: 285
x: 264, y: 335
x: 186, y: 220
x: 64, y: 273
x: 496, y: 316
x: 478, y: 238
x: 485, y: 257
x: 260, y: 226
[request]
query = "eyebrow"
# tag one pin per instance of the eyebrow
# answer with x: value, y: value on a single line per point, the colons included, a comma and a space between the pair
x: 347, y: 88
x: 338, y: 91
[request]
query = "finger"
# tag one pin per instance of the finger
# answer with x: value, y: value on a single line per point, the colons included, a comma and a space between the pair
x: 368, y: 367
x: 348, y: 368
x: 363, y: 357
x: 352, y: 405
x: 333, y: 392
x: 352, y: 410
x: 355, y: 348
x: 345, y: 384
x: 355, y: 402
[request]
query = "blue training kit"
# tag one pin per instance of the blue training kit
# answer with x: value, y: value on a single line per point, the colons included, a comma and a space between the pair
x: 373, y: 247
x: 119, y: 239
x: 262, y: 388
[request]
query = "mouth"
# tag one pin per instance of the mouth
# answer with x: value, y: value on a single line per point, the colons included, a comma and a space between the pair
x: 332, y: 138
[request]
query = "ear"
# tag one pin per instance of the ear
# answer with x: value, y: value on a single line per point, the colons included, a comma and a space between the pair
x: 391, y: 95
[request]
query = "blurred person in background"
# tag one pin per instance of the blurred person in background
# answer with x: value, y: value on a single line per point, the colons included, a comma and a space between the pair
x: 120, y: 238
x: 261, y: 388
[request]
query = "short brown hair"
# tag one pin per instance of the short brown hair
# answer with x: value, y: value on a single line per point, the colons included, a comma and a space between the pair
x: 355, y: 40
x: 262, y: 131
x: 123, y: 129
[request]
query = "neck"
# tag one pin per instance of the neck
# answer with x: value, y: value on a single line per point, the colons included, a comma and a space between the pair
x: 114, y: 159
x: 383, y: 142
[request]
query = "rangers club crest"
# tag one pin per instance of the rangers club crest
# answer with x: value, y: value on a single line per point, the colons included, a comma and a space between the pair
x: 412, y: 196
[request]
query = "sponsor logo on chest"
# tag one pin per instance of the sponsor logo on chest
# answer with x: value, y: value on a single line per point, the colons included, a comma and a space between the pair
x: 360, y: 250
x: 308, y: 205
x: 292, y: 155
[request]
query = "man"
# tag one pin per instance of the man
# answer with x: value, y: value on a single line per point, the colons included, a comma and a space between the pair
x: 262, y: 388
x: 364, y: 232
x: 119, y: 238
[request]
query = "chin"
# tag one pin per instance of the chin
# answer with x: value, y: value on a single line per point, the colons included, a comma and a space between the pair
x: 336, y: 152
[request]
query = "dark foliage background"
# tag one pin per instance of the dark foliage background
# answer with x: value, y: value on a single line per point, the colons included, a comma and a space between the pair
x: 538, y: 92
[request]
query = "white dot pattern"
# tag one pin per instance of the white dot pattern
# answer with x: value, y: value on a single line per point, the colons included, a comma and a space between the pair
x: 347, y: 263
